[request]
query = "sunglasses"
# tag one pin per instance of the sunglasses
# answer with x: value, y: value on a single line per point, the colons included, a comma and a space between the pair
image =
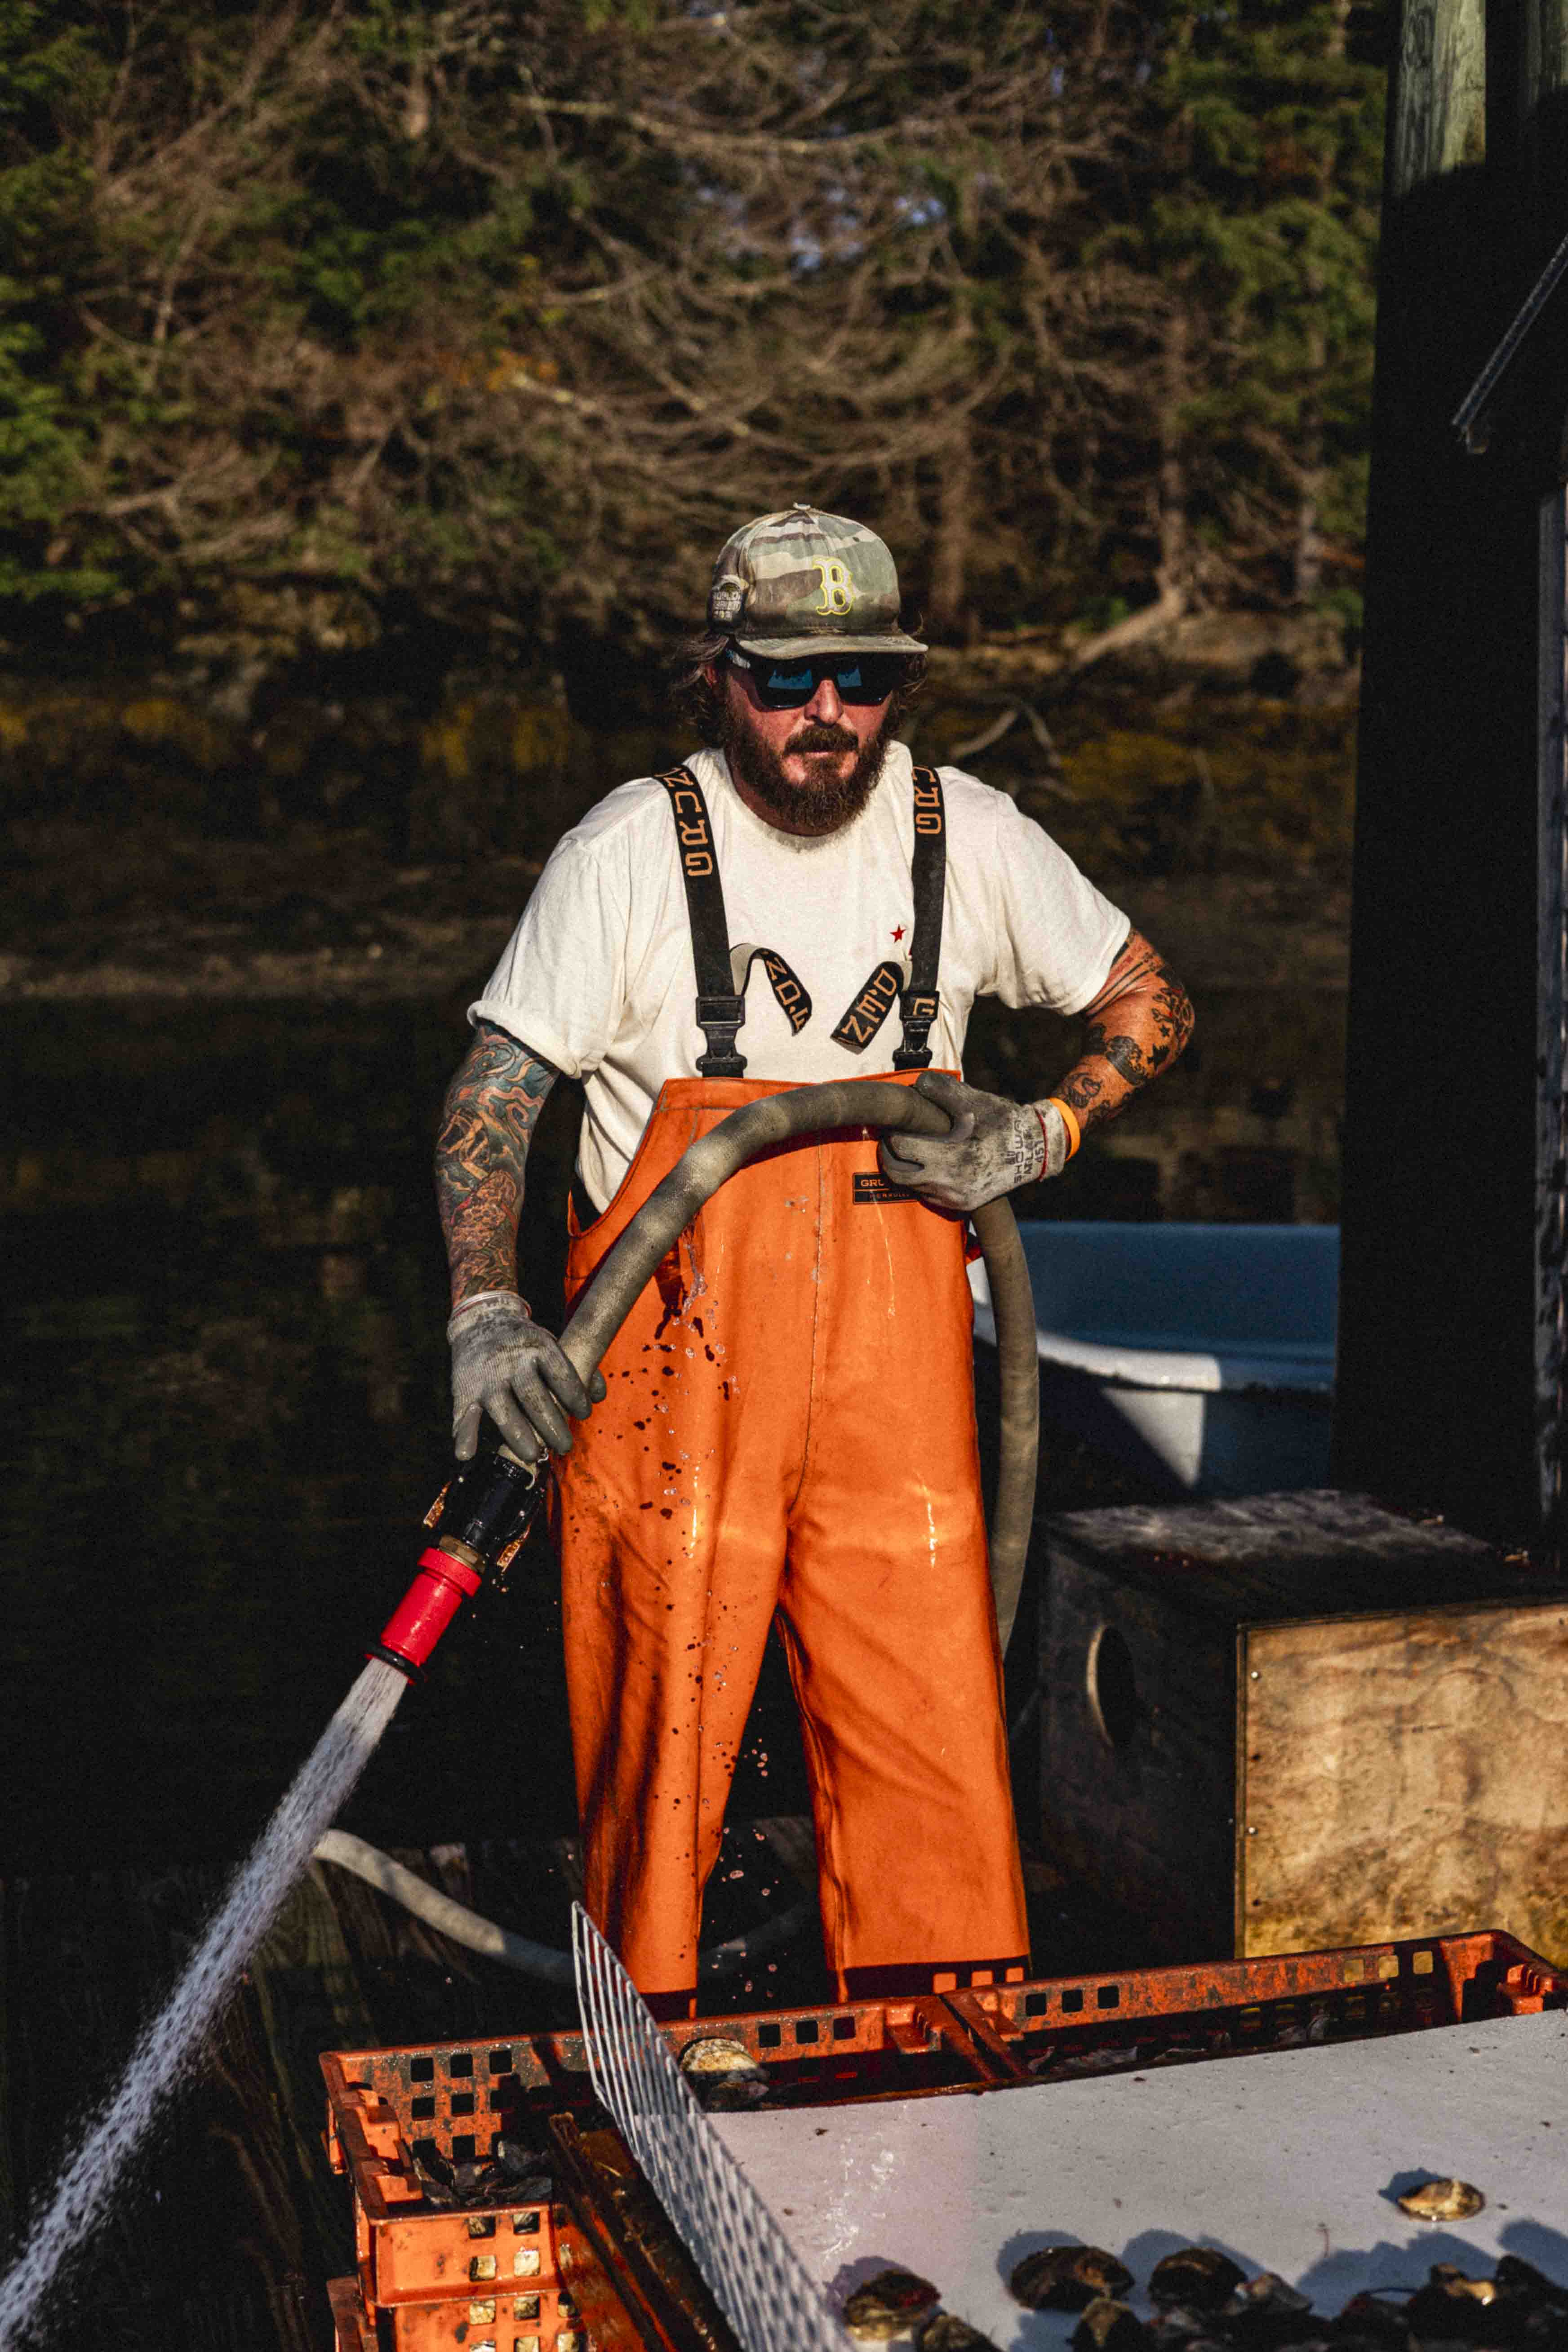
x: 786, y: 685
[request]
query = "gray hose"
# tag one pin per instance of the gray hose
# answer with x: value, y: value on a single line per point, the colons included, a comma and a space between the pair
x: 807, y: 1111
x: 461, y: 1925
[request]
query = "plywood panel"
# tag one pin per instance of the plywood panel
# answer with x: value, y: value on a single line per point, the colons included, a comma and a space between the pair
x: 1403, y: 1774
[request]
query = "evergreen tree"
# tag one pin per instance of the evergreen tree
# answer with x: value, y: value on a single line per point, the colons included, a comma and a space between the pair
x: 508, y: 311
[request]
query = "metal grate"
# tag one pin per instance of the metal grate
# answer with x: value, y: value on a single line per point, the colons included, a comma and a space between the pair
x: 760, y: 2282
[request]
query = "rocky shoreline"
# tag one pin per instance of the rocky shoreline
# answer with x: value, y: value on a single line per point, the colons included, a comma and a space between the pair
x: 369, y: 851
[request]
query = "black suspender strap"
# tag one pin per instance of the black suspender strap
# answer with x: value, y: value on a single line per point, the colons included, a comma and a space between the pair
x: 719, y: 1008
x: 919, y: 1001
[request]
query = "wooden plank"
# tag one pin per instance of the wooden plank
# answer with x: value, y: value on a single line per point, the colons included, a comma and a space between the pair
x: 1403, y: 1778
x: 1270, y: 1555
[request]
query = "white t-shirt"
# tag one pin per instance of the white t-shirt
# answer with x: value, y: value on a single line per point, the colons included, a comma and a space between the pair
x: 598, y: 975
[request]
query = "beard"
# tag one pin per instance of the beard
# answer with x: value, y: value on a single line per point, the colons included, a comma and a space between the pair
x: 825, y: 802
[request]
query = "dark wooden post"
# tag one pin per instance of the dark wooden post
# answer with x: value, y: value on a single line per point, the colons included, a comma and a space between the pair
x: 1552, y: 1060
x: 1543, y: 80
x: 1452, y: 1355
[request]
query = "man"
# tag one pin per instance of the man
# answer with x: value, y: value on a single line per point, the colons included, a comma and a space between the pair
x: 786, y: 1422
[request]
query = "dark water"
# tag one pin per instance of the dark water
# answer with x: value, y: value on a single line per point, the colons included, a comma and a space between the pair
x: 223, y: 1405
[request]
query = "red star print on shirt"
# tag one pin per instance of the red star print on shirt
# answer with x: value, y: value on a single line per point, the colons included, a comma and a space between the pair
x: 899, y: 933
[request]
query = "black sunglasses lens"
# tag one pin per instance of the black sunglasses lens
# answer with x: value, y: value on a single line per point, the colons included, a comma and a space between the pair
x: 781, y: 685
x: 874, y: 677
x: 865, y: 679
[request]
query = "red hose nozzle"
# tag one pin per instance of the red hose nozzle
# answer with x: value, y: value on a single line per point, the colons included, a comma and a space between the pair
x: 479, y: 1519
x: 427, y: 1609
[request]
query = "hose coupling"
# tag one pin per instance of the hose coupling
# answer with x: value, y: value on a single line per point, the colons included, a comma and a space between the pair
x: 478, y: 1524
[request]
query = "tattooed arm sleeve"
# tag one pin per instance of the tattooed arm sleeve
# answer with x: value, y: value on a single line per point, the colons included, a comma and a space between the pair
x: 1137, y: 1027
x: 491, y: 1110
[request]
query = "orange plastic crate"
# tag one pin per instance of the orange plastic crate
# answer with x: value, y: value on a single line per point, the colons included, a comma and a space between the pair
x: 382, y: 2105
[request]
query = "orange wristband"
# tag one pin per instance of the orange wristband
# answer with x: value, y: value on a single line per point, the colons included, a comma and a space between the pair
x: 1070, y: 1120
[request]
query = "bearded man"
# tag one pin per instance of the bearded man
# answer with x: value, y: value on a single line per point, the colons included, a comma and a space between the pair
x: 784, y: 1426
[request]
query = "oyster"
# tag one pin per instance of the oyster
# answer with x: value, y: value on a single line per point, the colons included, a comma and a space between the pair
x: 1519, y: 2282
x: 1442, y: 2200
x: 717, y: 2054
x: 436, y: 2191
x: 1452, y: 2280
x: 1182, y: 2330
x: 1368, y: 2320
x: 517, y: 2159
x: 1107, y: 2326
x: 1068, y: 2278
x: 942, y: 2332
x: 1265, y: 2315
x: 723, y: 2075
x: 1454, y: 2309
x: 1267, y: 2292
x: 887, y: 2305
x: 1198, y: 2276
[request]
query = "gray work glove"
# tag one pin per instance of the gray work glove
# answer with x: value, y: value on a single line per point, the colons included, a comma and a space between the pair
x: 505, y: 1365
x: 993, y: 1147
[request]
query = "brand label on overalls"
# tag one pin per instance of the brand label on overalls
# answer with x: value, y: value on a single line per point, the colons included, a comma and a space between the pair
x: 875, y: 1186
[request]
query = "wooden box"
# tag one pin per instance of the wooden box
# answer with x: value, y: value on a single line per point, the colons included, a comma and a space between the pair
x: 1299, y: 1721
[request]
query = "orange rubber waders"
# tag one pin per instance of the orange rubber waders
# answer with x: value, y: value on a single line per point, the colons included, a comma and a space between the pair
x: 789, y: 1429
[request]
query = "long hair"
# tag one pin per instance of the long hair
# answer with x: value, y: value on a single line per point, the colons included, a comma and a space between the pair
x: 699, y: 702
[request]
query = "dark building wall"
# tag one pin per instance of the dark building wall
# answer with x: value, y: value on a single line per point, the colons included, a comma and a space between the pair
x: 1438, y: 1393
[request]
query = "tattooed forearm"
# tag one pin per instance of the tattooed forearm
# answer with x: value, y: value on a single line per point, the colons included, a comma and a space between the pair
x: 487, y: 1124
x: 1137, y: 1027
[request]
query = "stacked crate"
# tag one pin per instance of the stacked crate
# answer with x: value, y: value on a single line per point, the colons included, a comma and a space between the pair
x: 594, y: 2267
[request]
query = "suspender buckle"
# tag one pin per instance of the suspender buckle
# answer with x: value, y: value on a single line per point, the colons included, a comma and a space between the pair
x: 719, y: 1017
x: 918, y: 1008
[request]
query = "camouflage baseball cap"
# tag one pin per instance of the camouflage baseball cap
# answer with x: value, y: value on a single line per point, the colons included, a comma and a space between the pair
x: 809, y: 582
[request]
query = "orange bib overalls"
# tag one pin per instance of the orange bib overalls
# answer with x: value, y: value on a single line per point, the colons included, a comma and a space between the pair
x: 789, y: 1430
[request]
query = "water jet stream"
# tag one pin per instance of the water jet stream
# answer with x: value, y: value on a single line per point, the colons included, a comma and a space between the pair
x: 171, y: 2044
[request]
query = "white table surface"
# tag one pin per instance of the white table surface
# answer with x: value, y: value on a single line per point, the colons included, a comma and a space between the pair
x: 1288, y: 2162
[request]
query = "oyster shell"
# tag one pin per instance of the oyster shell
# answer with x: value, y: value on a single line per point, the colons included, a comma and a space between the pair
x: 1068, y: 2278
x: 1200, y: 2277
x: 723, y: 2075
x: 887, y: 2305
x: 944, y: 2332
x: 717, y: 2054
x: 1520, y: 2282
x: 1107, y: 2326
x: 1367, y: 2319
x: 1452, y: 2280
x: 1442, y: 2200
x: 1268, y: 2292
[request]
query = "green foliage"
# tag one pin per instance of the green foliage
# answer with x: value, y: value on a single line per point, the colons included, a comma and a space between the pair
x: 48, y: 79
x: 511, y: 308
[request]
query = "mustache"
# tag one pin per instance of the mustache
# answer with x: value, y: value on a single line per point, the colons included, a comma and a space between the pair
x: 816, y: 736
